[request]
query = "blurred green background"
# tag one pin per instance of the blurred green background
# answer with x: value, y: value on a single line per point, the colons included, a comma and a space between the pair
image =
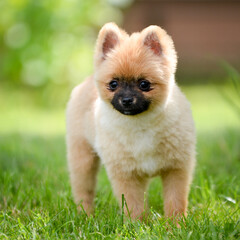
x: 47, y: 45
x: 47, y: 48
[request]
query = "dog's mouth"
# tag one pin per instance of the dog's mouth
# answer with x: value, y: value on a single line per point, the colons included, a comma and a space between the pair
x: 130, y: 111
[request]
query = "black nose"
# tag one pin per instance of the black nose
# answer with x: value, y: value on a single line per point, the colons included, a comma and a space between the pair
x: 127, y: 101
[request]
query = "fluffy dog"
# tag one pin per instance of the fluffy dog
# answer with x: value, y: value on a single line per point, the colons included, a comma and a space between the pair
x: 132, y: 115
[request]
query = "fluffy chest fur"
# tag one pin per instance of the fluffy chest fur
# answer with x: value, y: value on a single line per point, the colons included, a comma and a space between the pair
x: 132, y: 144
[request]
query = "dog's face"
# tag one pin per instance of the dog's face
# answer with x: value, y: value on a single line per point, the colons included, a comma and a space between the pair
x: 128, y: 97
x: 134, y: 73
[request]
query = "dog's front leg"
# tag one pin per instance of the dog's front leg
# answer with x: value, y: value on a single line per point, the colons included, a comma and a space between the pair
x: 133, y: 189
x: 83, y: 166
x: 175, y: 192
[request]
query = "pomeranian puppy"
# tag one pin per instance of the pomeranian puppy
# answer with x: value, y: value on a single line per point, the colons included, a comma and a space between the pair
x: 132, y: 115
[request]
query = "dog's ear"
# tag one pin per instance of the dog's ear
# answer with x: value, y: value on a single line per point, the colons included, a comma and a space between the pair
x: 151, y: 41
x: 160, y: 44
x: 108, y: 38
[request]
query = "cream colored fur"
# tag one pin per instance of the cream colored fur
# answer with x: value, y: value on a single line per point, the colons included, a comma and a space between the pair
x: 157, y: 142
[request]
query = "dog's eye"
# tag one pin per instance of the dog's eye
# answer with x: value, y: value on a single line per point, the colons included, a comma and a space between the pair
x: 113, y: 85
x: 144, y: 85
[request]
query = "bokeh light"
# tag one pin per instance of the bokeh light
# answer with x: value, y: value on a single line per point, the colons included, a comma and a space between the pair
x: 50, y: 42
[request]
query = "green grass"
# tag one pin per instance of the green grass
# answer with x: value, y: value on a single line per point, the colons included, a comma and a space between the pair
x: 35, y: 194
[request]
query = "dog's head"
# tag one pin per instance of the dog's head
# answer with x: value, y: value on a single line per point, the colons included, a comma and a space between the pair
x: 134, y: 73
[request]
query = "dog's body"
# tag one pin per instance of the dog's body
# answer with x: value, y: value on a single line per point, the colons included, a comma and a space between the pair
x: 132, y: 115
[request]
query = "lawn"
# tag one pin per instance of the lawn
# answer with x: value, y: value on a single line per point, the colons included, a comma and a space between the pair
x: 35, y: 194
